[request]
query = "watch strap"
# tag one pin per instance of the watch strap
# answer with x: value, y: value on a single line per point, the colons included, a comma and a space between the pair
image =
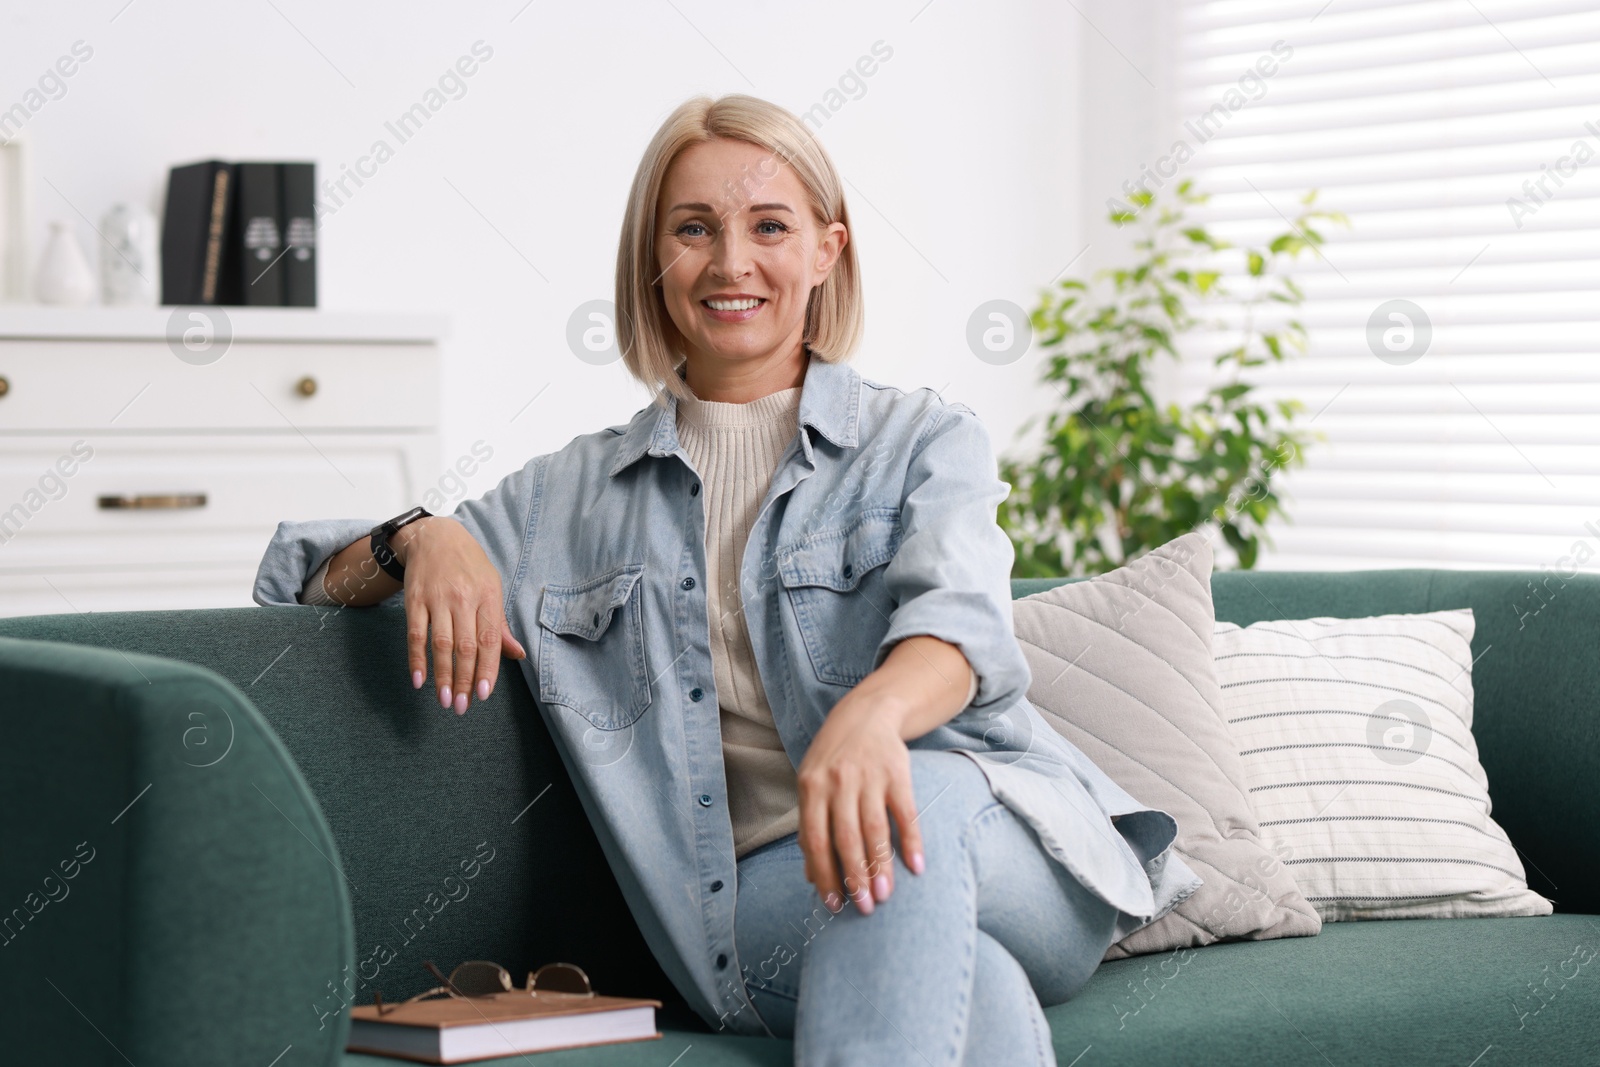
x: 383, y: 552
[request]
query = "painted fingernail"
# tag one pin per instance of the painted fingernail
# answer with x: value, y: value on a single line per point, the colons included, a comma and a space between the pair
x: 461, y: 703
x: 915, y: 863
x: 416, y: 679
x: 444, y: 697
x: 833, y: 902
x: 880, y: 887
x: 483, y: 689
x: 864, y: 902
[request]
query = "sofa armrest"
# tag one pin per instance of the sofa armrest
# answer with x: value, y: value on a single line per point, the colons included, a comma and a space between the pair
x: 171, y: 892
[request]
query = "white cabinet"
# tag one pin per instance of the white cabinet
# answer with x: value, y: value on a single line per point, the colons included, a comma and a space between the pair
x: 132, y: 479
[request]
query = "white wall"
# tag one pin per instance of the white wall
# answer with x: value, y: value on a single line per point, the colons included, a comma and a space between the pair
x: 963, y: 160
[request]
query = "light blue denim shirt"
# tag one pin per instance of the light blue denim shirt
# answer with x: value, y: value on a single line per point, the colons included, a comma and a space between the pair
x: 879, y: 525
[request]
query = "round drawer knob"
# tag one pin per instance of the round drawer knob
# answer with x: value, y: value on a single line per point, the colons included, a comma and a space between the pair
x: 306, y: 386
x: 5, y: 385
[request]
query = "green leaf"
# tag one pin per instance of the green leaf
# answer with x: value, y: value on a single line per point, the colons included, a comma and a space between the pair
x: 1112, y: 472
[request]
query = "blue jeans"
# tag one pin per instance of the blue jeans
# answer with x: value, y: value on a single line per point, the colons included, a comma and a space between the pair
x: 952, y: 968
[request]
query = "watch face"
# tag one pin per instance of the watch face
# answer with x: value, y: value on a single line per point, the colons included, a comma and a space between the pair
x: 411, y: 516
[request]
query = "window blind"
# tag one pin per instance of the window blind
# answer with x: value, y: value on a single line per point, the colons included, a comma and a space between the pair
x: 1462, y: 138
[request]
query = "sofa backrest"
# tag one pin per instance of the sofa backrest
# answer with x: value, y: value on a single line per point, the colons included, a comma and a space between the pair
x: 1536, y: 689
x: 463, y: 839
x: 443, y: 856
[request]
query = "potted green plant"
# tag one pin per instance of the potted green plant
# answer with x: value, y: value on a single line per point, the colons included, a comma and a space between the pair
x: 1121, y: 471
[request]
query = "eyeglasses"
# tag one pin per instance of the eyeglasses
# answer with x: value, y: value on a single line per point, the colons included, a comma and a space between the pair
x: 480, y: 978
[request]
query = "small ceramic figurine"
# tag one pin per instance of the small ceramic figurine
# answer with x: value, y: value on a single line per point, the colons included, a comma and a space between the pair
x: 64, y: 276
x: 128, y: 267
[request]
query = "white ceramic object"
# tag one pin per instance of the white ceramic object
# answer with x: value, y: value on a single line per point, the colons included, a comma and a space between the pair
x: 129, y: 270
x: 64, y: 276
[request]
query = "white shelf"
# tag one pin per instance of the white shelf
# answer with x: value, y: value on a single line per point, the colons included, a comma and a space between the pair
x: 314, y: 325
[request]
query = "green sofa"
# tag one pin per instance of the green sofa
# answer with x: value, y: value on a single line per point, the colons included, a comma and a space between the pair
x: 222, y: 826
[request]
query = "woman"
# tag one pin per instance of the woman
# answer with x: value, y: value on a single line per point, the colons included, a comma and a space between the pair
x: 768, y: 620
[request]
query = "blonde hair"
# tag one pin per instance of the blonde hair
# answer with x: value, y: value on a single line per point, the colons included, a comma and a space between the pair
x: 833, y: 313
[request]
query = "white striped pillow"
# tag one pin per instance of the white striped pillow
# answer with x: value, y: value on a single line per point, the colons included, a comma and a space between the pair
x: 1356, y: 739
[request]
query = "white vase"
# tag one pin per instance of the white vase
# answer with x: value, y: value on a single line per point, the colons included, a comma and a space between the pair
x: 64, y: 276
x: 129, y: 269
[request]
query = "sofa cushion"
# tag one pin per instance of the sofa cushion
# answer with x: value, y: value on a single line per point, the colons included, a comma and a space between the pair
x: 1122, y: 668
x: 1407, y: 992
x: 1356, y: 738
x: 1394, y: 994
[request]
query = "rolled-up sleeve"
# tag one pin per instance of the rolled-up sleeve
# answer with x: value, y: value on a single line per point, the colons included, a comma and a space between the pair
x: 297, y: 550
x: 951, y: 576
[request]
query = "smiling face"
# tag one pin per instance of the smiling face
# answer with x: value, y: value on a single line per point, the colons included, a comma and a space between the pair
x: 739, y: 252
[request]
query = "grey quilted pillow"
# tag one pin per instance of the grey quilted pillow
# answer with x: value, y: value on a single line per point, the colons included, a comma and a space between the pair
x: 1122, y: 668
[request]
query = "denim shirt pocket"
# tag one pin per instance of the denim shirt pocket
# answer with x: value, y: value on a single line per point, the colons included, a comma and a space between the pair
x: 591, y: 648
x: 835, y: 584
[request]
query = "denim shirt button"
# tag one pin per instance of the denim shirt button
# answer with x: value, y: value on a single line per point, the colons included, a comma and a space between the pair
x: 722, y: 960
x: 716, y: 887
x: 705, y: 800
x: 848, y: 570
x: 696, y: 693
x: 694, y: 490
x: 597, y: 620
x: 688, y: 583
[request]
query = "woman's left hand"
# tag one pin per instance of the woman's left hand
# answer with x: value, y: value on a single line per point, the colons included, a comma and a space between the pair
x: 856, y: 774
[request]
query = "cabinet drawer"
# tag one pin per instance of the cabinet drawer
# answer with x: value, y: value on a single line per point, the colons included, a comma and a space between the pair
x: 256, y: 386
x: 145, y: 589
x: 203, y: 501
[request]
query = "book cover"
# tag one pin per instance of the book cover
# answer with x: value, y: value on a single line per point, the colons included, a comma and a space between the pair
x: 196, y: 226
x: 258, y: 245
x: 455, y: 1030
x: 299, y: 182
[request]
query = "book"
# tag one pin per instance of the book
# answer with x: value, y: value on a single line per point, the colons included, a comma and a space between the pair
x: 299, y: 182
x: 196, y: 261
x: 457, y: 1030
x: 258, y: 242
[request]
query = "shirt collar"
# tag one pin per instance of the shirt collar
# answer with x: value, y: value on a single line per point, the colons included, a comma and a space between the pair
x: 830, y: 403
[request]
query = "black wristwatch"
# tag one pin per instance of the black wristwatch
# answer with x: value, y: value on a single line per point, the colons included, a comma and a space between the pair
x: 383, y: 552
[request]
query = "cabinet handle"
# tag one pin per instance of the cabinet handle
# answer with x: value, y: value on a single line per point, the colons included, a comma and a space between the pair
x: 154, y: 501
x: 306, y: 386
x: 5, y: 385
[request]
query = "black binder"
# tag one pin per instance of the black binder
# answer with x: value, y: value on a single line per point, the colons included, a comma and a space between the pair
x: 259, y: 242
x: 299, y: 181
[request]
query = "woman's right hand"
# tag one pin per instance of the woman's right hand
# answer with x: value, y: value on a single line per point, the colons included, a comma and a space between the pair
x: 453, y: 589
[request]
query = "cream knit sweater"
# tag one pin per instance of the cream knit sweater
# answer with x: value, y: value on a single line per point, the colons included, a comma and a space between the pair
x: 736, y: 448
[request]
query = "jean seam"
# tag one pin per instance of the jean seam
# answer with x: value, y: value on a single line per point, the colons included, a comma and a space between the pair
x: 958, y: 1046
x: 984, y: 815
x: 795, y: 997
x: 1047, y: 1055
